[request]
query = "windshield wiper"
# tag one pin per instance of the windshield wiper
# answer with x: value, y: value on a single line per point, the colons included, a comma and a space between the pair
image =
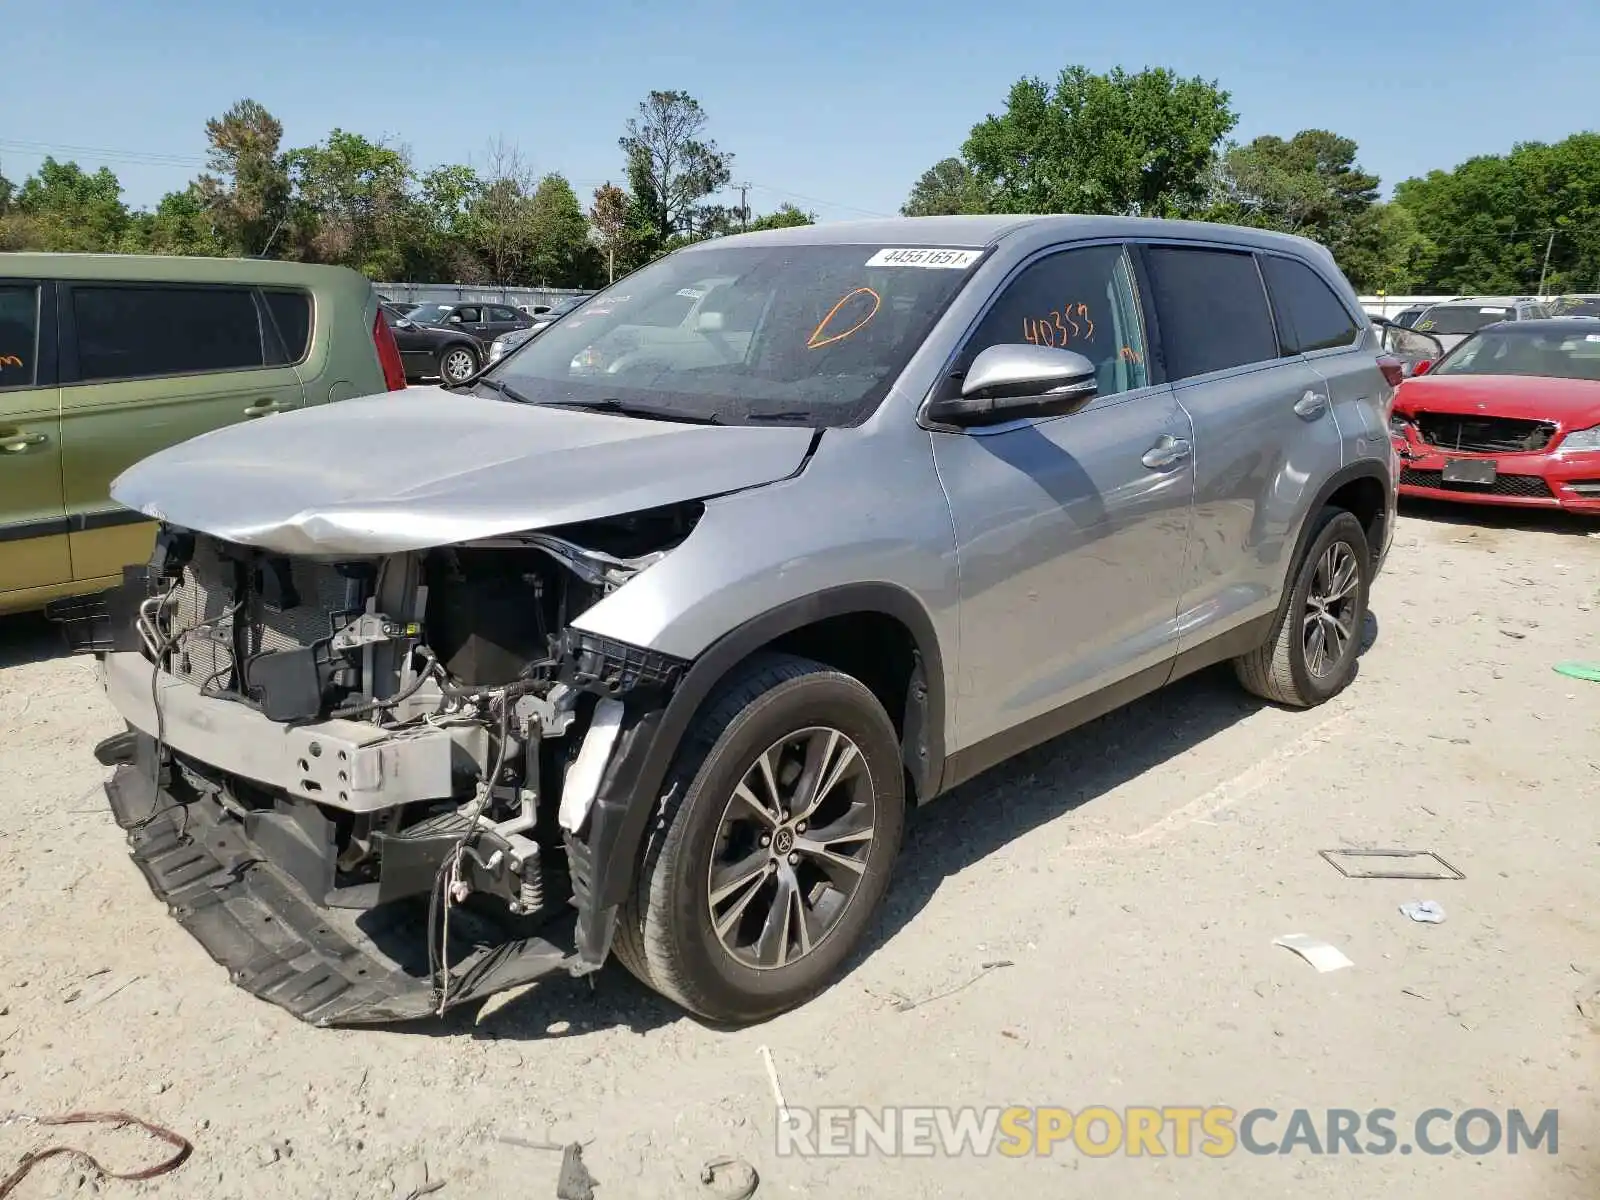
x: 648, y: 411
x: 505, y: 389
x: 794, y: 415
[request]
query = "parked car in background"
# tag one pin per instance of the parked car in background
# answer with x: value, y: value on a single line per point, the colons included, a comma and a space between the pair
x: 645, y: 640
x: 1453, y: 320
x: 1576, y: 306
x: 451, y: 341
x: 105, y: 359
x: 1511, y: 415
x: 507, y: 342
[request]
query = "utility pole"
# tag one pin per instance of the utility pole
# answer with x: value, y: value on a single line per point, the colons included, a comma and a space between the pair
x: 1547, y: 247
x: 744, y: 209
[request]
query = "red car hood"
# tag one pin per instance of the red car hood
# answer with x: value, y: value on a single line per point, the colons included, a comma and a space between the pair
x: 1572, y: 403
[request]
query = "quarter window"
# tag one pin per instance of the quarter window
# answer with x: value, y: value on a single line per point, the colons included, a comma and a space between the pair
x: 1310, y: 316
x: 1212, y: 308
x: 502, y: 314
x: 140, y: 332
x: 291, y: 312
x: 19, y: 335
x: 1080, y: 300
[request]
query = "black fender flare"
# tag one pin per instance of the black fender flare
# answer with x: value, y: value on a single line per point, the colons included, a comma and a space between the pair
x: 631, y: 785
x: 1366, y: 468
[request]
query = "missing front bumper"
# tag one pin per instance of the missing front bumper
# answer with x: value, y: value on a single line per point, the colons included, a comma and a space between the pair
x: 326, y: 965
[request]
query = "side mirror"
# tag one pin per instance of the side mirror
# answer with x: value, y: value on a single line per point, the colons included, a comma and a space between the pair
x: 1014, y: 382
x: 402, y: 323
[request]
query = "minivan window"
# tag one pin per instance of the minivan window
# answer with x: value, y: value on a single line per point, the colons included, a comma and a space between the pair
x: 291, y: 312
x: 1212, y: 308
x: 19, y: 335
x: 131, y: 332
x: 1310, y: 316
x: 1081, y: 300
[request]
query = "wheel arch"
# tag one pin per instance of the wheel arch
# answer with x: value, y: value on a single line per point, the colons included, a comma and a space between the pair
x: 1362, y: 488
x: 630, y: 788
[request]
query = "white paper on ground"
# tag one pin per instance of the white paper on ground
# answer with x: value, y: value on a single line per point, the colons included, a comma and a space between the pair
x: 1320, y: 954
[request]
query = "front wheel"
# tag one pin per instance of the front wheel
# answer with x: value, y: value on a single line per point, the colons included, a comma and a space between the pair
x: 1311, y: 656
x: 774, y: 843
x: 458, y: 364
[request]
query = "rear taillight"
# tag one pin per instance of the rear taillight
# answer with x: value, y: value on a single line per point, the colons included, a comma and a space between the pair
x: 1393, y: 369
x: 394, y: 370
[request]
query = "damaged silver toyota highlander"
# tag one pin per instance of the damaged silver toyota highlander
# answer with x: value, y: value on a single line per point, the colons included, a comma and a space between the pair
x: 644, y: 640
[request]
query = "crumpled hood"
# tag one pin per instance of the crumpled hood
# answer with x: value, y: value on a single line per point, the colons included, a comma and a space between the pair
x: 425, y: 467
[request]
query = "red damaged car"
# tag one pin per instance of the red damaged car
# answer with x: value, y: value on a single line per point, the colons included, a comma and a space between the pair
x: 1511, y: 416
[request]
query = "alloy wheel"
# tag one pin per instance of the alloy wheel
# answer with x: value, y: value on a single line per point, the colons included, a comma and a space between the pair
x: 458, y: 365
x: 791, y: 848
x: 1329, y: 624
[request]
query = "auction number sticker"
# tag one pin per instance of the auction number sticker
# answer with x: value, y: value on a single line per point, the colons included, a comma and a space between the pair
x: 925, y: 256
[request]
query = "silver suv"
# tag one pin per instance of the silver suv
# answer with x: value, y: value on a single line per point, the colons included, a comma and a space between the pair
x: 646, y: 639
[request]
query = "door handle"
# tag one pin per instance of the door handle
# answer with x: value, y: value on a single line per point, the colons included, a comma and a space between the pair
x: 15, y: 443
x: 262, y: 407
x: 1311, y: 405
x: 1169, y: 451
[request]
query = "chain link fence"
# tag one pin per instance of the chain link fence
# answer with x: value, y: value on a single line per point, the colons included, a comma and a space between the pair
x: 465, y: 293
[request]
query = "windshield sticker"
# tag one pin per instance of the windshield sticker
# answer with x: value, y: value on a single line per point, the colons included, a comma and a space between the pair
x: 692, y: 293
x: 1494, y: 311
x: 863, y: 304
x: 954, y: 260
x: 1059, y: 328
x: 1588, y: 337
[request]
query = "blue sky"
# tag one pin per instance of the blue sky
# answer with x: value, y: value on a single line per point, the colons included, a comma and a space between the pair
x: 832, y: 105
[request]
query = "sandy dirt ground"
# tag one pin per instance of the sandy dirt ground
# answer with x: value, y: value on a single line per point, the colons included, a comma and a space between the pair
x: 1134, y: 873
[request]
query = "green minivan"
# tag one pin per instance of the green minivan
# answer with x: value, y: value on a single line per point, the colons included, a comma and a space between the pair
x: 105, y: 359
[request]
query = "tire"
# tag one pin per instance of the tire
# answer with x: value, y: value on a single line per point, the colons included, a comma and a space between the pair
x: 458, y: 363
x: 1284, y: 669
x: 665, y: 932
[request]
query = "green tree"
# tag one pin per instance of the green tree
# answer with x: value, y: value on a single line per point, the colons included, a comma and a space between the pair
x: 72, y: 210
x: 1310, y: 185
x: 671, y: 163
x: 1491, y: 220
x: 1142, y: 144
x: 445, y: 244
x: 609, y: 216
x: 786, y: 216
x: 183, y: 223
x: 561, y: 254
x: 355, y: 196
x: 948, y: 188
x: 249, y: 190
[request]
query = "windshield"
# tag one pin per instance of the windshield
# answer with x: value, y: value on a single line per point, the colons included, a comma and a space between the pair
x: 1460, y: 318
x: 429, y: 314
x: 1578, y: 306
x: 813, y: 334
x: 1510, y: 350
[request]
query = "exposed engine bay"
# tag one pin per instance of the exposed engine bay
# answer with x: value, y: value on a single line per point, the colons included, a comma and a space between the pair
x: 354, y: 753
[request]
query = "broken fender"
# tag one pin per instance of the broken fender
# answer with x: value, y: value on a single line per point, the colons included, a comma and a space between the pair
x: 426, y: 467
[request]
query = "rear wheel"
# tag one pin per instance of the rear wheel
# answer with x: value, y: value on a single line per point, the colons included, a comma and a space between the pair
x: 458, y: 364
x: 1311, y: 656
x: 778, y: 828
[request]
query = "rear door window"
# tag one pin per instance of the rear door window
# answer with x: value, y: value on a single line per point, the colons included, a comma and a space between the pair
x: 130, y: 332
x: 19, y: 335
x: 291, y: 313
x: 1310, y: 316
x: 1212, y: 308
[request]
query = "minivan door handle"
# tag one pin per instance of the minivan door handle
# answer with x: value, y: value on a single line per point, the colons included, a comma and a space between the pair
x: 16, y: 443
x: 1169, y: 451
x: 1311, y: 406
x: 262, y: 407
